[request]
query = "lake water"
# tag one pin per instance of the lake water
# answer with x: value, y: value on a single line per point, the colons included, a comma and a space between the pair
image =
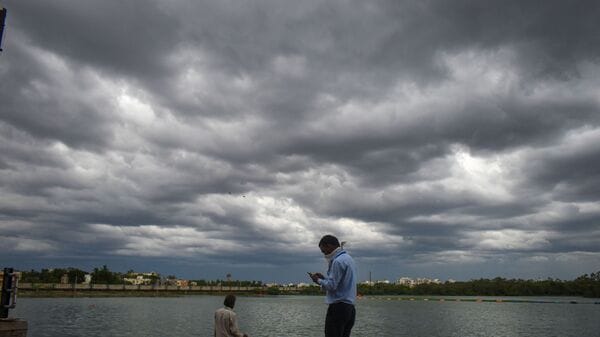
x: 296, y: 316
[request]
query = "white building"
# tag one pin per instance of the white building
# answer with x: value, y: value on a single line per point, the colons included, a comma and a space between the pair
x: 407, y: 281
x: 141, y: 278
x: 372, y: 283
x: 87, y: 279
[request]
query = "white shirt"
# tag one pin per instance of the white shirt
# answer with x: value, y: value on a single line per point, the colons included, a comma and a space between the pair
x: 226, y: 323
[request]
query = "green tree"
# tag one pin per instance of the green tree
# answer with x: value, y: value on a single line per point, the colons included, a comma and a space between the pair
x: 105, y: 276
x: 76, y: 275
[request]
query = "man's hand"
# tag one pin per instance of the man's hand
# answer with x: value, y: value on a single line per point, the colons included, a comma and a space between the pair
x: 316, y: 276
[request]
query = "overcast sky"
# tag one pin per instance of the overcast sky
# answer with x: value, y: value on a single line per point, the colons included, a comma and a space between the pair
x: 448, y: 139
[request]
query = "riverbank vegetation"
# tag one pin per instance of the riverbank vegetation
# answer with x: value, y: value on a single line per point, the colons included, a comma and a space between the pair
x: 587, y: 285
x: 104, y: 275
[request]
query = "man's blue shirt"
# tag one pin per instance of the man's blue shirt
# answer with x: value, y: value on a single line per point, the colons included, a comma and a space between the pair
x: 340, y: 282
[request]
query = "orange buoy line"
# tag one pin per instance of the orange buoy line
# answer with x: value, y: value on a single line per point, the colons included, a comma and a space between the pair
x: 475, y: 300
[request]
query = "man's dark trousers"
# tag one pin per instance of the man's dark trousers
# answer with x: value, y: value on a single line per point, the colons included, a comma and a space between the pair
x: 339, y: 320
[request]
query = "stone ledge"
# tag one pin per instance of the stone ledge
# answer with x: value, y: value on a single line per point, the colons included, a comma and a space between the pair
x: 10, y: 327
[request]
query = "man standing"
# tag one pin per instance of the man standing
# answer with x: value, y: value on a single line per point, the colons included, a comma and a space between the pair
x: 340, y: 285
x: 226, y: 321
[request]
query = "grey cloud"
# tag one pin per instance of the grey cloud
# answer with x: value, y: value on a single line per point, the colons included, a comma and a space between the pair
x: 53, y: 102
x: 19, y: 148
x: 123, y: 38
x: 551, y: 36
x: 343, y: 117
x: 570, y: 172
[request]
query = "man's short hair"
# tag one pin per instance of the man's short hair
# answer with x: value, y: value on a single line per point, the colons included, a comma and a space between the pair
x: 229, y: 301
x: 329, y: 240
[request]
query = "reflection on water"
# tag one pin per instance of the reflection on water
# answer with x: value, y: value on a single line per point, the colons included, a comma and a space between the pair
x: 297, y: 316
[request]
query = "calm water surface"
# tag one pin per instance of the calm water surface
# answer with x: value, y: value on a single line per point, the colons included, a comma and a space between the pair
x: 297, y: 316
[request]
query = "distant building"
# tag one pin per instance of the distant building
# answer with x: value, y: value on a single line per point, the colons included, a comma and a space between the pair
x: 182, y: 283
x: 372, y: 283
x: 141, y: 278
x: 87, y: 279
x: 138, y: 280
x: 64, y: 279
x: 407, y: 281
x: 19, y: 275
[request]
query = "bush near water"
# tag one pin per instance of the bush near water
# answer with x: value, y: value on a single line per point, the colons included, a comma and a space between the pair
x: 585, y: 285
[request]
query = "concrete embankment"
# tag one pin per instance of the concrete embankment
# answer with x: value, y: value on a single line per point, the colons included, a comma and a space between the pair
x: 85, y: 290
x: 13, y: 327
x: 117, y: 287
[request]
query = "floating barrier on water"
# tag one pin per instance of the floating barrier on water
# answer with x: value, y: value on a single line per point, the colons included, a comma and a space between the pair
x: 477, y: 300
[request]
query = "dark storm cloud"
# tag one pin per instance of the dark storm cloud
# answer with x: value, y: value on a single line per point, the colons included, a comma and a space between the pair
x: 125, y: 38
x: 18, y: 148
x: 49, y: 100
x: 571, y: 173
x: 550, y: 36
x: 423, y: 132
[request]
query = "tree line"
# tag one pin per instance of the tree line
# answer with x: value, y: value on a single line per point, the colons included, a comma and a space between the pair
x: 585, y: 285
x: 105, y: 276
x: 99, y: 275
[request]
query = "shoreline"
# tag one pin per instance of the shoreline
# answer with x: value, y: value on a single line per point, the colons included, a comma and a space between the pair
x: 125, y: 293
x: 420, y: 298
